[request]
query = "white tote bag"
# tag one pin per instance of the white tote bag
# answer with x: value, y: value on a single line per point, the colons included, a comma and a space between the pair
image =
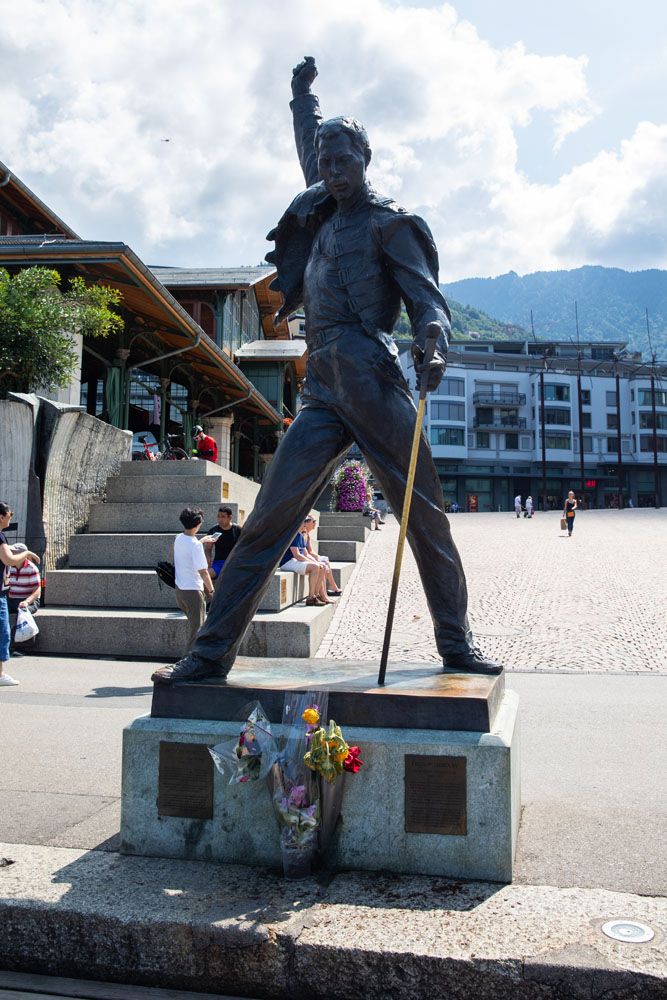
x: 26, y: 626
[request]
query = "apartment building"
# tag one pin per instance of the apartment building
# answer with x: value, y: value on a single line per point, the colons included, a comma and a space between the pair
x: 492, y: 436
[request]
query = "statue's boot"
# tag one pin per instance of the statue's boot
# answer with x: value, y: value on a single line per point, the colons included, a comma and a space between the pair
x: 191, y: 668
x: 470, y: 660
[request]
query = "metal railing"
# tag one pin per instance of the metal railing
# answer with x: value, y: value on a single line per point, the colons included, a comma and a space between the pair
x: 509, y: 423
x: 486, y: 398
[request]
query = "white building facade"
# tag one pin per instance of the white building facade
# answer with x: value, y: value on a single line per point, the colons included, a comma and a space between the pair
x: 485, y: 425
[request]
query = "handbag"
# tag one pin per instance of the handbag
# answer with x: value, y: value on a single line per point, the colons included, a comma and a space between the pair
x: 563, y: 524
x: 26, y: 626
x: 166, y: 573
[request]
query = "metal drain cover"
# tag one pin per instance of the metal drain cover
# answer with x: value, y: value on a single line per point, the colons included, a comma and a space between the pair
x: 628, y: 930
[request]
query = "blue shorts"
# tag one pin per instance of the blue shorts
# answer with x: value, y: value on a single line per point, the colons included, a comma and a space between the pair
x: 217, y: 565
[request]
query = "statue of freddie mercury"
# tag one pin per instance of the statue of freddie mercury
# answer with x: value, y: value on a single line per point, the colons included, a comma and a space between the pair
x: 350, y: 256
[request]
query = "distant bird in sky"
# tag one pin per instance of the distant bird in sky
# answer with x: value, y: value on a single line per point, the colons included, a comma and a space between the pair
x: 165, y: 140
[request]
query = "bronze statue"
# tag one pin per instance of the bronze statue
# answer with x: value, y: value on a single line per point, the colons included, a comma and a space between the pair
x: 350, y: 256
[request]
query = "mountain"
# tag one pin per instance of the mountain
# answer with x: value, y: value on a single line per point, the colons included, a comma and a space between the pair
x: 467, y: 321
x: 611, y: 303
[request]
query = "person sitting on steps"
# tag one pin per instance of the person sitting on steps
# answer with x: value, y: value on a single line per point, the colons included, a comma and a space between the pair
x: 331, y: 587
x: 297, y: 560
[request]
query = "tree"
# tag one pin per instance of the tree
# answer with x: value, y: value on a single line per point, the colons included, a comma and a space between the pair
x: 38, y: 324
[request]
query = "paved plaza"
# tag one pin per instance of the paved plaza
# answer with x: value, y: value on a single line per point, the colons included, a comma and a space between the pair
x: 539, y: 601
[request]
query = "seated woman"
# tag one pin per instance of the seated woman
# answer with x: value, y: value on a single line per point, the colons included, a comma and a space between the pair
x: 297, y: 560
x: 330, y: 588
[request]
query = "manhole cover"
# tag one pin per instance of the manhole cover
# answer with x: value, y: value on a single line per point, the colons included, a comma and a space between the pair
x: 628, y: 930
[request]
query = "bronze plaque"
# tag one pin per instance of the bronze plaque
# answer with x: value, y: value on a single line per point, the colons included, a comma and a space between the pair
x: 225, y: 491
x: 185, y: 781
x: 435, y: 795
x: 283, y: 591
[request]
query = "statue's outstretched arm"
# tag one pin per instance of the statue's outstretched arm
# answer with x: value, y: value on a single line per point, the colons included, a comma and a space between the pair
x: 306, y: 116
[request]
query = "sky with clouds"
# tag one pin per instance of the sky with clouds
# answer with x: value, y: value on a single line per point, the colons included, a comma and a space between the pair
x: 529, y: 135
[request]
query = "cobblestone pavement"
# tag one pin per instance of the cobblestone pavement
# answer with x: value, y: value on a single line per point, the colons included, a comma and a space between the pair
x: 538, y: 599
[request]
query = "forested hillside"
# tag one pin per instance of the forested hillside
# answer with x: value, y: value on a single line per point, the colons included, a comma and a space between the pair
x: 611, y: 303
x: 467, y: 321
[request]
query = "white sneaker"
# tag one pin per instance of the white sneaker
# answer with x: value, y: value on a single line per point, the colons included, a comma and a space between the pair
x: 7, y: 681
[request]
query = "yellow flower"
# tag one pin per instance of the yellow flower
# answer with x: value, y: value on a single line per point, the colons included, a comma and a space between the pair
x: 311, y: 716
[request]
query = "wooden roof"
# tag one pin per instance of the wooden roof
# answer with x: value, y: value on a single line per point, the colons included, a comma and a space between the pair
x: 115, y: 264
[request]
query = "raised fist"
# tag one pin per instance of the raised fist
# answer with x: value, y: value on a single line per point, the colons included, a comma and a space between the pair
x: 303, y: 76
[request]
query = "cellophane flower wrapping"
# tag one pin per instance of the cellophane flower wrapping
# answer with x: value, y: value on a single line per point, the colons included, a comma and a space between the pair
x: 250, y: 755
x: 295, y: 793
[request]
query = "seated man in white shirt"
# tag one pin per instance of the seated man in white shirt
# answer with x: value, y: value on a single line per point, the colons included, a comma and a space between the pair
x: 192, y: 577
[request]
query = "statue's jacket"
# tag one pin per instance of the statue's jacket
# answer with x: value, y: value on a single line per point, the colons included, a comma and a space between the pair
x: 382, y: 253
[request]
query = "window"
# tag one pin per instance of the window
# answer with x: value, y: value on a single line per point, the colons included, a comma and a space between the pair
x: 647, y: 443
x: 612, y: 421
x: 632, y: 395
x: 556, y: 393
x: 645, y: 397
x: 588, y: 443
x: 526, y: 443
x: 585, y: 421
x: 557, y: 415
x: 633, y: 416
x: 447, y: 436
x: 611, y: 397
x: 447, y: 411
x: 512, y: 442
x: 586, y: 397
x: 483, y: 439
x: 559, y: 441
x: 625, y: 447
x: 452, y: 387
x: 612, y: 445
x: 646, y: 421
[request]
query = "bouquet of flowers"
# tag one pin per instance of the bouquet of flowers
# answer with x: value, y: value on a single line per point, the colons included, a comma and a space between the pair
x: 301, y: 775
x: 251, y: 755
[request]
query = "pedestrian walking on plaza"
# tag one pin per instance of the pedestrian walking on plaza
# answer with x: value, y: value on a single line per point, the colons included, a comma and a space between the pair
x: 569, y: 508
x: 7, y: 560
x: 517, y: 505
x: 193, y: 580
x: 529, y: 507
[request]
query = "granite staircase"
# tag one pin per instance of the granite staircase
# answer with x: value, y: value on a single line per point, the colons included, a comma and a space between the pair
x: 109, y: 601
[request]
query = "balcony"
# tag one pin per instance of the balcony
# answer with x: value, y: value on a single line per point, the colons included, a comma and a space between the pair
x: 484, y: 398
x: 507, y: 423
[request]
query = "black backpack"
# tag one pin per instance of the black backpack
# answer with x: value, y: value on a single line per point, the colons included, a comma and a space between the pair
x: 166, y: 573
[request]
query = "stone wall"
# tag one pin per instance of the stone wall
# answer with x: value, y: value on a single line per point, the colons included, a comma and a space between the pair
x: 81, y: 452
x: 19, y: 483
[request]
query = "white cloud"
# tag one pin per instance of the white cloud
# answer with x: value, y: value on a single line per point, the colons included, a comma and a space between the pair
x: 91, y: 88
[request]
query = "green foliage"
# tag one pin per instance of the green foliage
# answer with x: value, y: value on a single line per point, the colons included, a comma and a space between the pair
x: 468, y: 323
x: 38, y: 323
x: 611, y: 303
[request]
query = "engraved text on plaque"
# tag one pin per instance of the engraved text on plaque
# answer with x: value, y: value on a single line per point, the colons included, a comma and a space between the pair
x: 435, y: 795
x: 185, y: 781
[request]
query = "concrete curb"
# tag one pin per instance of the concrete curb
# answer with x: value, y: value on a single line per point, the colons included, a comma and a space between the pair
x: 229, y: 929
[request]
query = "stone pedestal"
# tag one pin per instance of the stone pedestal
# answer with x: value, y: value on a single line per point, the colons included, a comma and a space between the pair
x: 439, y: 792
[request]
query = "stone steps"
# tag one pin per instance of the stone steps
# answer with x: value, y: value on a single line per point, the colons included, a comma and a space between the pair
x: 141, y: 588
x: 160, y: 634
x: 156, y: 516
x: 341, y: 551
x: 136, y: 489
x: 343, y: 532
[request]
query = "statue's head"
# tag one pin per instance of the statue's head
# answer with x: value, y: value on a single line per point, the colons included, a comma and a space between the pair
x: 343, y: 153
